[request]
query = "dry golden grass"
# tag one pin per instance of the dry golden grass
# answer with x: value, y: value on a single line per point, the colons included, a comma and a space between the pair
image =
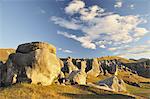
x: 130, y: 77
x: 123, y: 60
x: 29, y: 91
x: 4, y: 53
x: 140, y: 91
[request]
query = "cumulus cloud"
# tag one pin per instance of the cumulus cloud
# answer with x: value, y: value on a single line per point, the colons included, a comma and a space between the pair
x: 118, y: 4
x: 90, y: 13
x: 74, y: 6
x: 65, y: 50
x: 101, y: 28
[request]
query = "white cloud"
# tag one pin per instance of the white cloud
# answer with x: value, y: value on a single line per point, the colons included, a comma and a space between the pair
x: 65, y: 50
x: 90, y: 13
x: 137, y: 51
x: 132, y: 6
x: 84, y: 40
x: 148, y: 42
x: 65, y: 23
x: 140, y: 32
x: 144, y: 54
x: 112, y: 49
x: 101, y: 28
x: 74, y: 6
x: 118, y: 4
x: 102, y: 46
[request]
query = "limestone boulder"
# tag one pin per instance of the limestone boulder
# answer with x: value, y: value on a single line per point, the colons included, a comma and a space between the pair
x: 78, y: 76
x: 71, y: 66
x: 114, y: 83
x: 33, y: 62
x: 95, y: 71
x: 28, y: 47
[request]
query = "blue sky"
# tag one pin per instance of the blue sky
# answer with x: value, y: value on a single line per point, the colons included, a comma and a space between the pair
x: 79, y: 28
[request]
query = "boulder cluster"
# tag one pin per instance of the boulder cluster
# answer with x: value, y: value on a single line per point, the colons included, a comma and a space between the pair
x: 37, y: 63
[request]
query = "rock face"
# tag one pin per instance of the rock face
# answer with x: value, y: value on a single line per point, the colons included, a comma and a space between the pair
x: 110, y: 66
x: 79, y: 76
x: 142, y: 68
x: 70, y: 65
x: 29, y: 47
x: 114, y: 84
x: 95, y: 71
x: 34, y: 62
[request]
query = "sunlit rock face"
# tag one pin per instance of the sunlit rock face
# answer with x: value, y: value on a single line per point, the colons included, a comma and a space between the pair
x: 34, y: 62
x: 29, y: 47
x: 95, y: 71
x: 79, y: 76
x: 70, y: 65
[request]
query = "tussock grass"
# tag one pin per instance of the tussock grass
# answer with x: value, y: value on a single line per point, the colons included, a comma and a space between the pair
x: 29, y: 91
x: 123, y: 60
x: 4, y: 53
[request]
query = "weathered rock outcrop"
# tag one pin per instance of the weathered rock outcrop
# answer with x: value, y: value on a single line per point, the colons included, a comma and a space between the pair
x: 78, y: 76
x: 142, y: 68
x: 29, y: 47
x: 114, y: 83
x: 96, y: 70
x: 71, y: 66
x: 34, y: 62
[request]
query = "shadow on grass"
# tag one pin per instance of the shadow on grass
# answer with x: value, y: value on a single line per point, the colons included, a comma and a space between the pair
x: 97, y: 93
x: 94, y: 96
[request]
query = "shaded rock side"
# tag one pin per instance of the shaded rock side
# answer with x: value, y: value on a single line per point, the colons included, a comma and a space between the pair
x: 114, y: 83
x: 28, y: 47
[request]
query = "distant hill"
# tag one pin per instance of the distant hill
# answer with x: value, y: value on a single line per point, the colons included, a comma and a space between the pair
x: 123, y: 60
x: 4, y: 53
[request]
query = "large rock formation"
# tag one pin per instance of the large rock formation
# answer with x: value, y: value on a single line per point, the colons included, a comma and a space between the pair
x: 96, y: 70
x: 109, y: 66
x: 70, y: 65
x: 29, y: 47
x: 114, y: 83
x: 78, y: 76
x: 34, y: 62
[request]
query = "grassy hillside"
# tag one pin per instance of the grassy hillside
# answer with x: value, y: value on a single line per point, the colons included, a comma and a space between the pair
x: 4, y: 53
x: 28, y: 91
x: 123, y: 60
